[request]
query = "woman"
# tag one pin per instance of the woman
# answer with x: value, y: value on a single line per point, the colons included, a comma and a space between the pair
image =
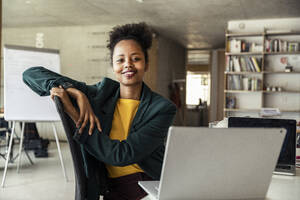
x: 131, y: 121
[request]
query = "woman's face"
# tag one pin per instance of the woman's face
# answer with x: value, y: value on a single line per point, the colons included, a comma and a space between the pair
x: 129, y: 63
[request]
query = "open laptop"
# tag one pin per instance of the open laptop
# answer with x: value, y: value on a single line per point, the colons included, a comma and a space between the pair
x: 229, y: 163
x: 286, y: 163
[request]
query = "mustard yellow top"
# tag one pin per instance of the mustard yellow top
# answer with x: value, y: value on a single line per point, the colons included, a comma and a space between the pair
x: 124, y: 113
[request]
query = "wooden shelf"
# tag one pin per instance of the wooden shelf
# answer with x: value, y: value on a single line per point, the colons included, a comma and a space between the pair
x: 244, y: 54
x: 284, y: 91
x: 249, y: 34
x: 242, y: 91
x: 243, y: 72
x: 240, y: 110
x: 281, y: 33
x: 262, y: 97
x: 244, y: 34
x: 279, y: 72
x: 289, y: 110
x: 282, y: 53
x: 253, y: 110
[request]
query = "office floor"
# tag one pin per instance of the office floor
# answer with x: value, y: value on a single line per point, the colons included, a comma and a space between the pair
x: 42, y: 181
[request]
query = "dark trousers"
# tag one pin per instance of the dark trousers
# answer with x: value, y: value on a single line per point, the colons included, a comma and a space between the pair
x: 126, y: 187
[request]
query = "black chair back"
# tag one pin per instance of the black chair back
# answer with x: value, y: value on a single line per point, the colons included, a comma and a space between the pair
x: 69, y: 127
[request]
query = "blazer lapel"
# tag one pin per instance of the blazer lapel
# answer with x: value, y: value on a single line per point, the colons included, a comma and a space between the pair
x: 144, y: 104
x: 109, y: 110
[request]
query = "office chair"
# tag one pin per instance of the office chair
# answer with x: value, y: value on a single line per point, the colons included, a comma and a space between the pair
x: 69, y: 127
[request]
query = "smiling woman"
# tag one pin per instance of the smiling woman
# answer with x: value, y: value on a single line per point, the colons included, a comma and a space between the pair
x: 132, y: 121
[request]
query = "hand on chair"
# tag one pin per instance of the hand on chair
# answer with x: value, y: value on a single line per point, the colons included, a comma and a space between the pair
x: 86, y: 112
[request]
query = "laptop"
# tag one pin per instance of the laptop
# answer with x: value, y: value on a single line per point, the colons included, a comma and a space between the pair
x: 225, y: 163
x: 286, y: 163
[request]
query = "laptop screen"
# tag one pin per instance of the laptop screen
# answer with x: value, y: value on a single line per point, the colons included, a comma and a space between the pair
x: 288, y: 151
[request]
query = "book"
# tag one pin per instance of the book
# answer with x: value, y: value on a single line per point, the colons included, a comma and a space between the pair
x: 250, y: 64
x: 275, y: 47
x: 236, y: 63
x: 243, y: 64
x: 236, y: 80
x: 245, y: 83
x: 235, y: 46
x: 255, y: 63
x: 227, y: 60
x: 268, y: 44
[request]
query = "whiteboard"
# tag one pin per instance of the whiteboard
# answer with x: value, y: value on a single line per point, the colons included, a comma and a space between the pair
x: 20, y: 102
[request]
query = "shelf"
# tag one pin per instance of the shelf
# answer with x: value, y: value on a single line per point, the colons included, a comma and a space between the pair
x: 243, y: 72
x: 261, y: 53
x: 284, y: 91
x: 249, y: 34
x: 240, y: 110
x: 242, y: 91
x: 282, y: 53
x: 279, y: 72
x: 282, y: 33
x: 244, y: 34
x: 289, y: 110
x: 253, y: 110
x: 270, y: 69
x: 244, y: 54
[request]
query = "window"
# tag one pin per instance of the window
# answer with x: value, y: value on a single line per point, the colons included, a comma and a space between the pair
x: 197, y: 88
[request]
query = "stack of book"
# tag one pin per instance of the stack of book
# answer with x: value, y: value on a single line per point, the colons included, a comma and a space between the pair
x: 238, y: 82
x: 238, y: 46
x: 243, y: 64
x: 278, y: 45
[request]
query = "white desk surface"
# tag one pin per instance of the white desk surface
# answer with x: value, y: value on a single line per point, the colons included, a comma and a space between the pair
x: 281, y: 188
x: 284, y: 187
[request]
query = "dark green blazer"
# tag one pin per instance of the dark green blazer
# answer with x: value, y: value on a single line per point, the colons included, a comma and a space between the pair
x: 145, y: 143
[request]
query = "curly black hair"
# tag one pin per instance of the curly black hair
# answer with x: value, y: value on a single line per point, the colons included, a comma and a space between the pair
x: 140, y: 32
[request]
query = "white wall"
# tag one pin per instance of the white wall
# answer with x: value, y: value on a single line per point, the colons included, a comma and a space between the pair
x: 171, y: 64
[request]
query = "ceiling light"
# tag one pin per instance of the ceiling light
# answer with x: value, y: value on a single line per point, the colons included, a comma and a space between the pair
x: 28, y: 2
x: 140, y: 1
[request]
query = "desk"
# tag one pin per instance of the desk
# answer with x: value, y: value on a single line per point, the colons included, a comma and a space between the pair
x: 284, y: 187
x: 281, y: 188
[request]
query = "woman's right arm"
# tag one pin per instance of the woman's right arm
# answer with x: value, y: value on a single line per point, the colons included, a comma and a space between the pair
x: 41, y: 80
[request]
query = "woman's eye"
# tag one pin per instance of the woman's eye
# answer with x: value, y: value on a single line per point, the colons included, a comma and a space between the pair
x: 136, y: 59
x: 120, y: 60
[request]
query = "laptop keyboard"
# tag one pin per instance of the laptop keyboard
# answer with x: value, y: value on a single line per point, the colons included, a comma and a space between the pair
x: 284, y: 167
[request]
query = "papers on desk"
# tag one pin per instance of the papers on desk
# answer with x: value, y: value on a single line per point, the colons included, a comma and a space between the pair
x: 269, y: 112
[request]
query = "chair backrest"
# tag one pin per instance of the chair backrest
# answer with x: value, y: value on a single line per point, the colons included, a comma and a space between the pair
x: 69, y: 127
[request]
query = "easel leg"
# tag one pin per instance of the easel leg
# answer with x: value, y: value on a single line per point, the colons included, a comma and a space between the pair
x: 8, y: 153
x: 21, y: 146
x: 59, y: 152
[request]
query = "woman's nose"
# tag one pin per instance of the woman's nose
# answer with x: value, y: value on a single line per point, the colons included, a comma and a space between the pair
x: 128, y: 63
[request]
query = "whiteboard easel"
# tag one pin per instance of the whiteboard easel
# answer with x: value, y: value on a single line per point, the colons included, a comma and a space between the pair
x: 20, y: 102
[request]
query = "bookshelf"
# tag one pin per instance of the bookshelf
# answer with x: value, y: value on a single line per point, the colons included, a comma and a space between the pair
x: 256, y: 75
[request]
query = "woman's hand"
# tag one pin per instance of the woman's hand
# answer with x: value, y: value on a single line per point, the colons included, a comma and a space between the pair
x: 63, y: 95
x: 86, y: 114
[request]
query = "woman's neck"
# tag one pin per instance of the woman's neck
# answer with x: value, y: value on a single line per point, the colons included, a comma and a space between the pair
x: 131, y: 92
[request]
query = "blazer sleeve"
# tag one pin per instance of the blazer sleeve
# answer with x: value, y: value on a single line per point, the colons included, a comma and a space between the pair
x: 137, y: 146
x: 41, y: 80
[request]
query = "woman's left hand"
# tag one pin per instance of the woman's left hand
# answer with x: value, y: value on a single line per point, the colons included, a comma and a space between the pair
x: 68, y: 106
